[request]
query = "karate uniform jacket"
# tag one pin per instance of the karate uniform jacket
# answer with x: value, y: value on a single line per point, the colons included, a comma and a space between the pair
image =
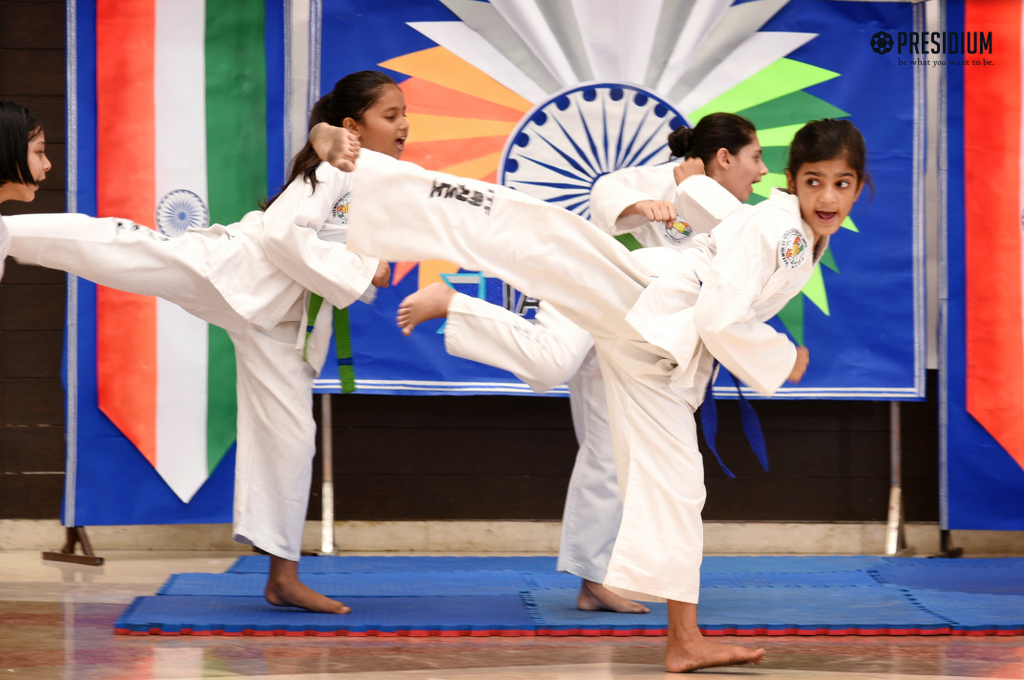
x: 615, y: 192
x: 713, y: 300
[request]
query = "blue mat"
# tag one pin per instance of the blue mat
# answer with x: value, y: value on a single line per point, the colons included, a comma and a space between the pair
x: 187, y: 615
x: 328, y: 564
x: 525, y: 596
x: 436, y: 583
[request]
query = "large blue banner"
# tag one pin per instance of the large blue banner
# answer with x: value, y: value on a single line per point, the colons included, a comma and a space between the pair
x: 600, y: 86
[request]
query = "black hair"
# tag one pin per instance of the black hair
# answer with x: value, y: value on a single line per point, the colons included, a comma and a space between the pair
x: 825, y: 139
x: 713, y: 132
x: 18, y: 127
x: 350, y: 98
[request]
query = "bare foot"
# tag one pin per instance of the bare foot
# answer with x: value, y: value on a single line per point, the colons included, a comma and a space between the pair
x: 705, y: 654
x: 284, y: 589
x: 595, y: 597
x: 424, y: 305
x: 687, y: 649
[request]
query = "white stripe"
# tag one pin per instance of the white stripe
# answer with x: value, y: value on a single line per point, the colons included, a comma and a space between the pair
x: 757, y: 52
x: 468, y: 45
x: 702, y: 20
x: 619, y: 37
x: 180, y: 95
x: 526, y: 19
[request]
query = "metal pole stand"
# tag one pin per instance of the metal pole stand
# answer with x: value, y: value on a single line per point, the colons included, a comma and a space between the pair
x: 327, y: 490
x: 944, y: 548
x: 895, y: 534
x: 67, y: 553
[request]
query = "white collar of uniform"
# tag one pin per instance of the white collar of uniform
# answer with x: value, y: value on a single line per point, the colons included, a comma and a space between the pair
x: 790, y: 203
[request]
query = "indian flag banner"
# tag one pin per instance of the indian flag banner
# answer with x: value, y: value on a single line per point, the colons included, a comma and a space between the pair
x: 982, y: 416
x: 179, y: 136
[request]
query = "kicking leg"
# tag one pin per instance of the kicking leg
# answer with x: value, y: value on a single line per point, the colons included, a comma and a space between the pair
x: 688, y: 650
x: 423, y: 305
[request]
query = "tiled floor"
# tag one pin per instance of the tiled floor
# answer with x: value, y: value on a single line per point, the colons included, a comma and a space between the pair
x: 56, y: 622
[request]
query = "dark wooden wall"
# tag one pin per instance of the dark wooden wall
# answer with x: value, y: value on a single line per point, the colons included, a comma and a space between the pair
x: 510, y: 458
x: 418, y: 458
x: 32, y: 299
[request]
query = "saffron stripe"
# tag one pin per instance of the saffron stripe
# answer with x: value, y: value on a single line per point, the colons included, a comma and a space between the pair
x: 125, y: 187
x: 992, y: 175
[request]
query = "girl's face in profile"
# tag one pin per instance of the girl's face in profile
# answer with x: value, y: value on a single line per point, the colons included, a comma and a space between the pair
x: 745, y: 170
x: 384, y: 126
x: 38, y: 165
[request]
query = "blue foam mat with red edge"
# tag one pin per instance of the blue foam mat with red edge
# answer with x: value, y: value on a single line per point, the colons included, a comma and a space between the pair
x: 525, y: 596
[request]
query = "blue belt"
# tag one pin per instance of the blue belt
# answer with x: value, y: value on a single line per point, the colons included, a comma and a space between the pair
x: 751, y: 425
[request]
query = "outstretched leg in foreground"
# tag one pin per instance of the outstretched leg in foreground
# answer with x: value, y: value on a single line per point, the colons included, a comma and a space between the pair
x: 284, y: 589
x: 423, y: 305
x: 688, y: 650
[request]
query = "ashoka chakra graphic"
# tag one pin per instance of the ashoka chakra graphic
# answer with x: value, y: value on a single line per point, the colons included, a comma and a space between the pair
x: 179, y: 210
x: 562, y: 146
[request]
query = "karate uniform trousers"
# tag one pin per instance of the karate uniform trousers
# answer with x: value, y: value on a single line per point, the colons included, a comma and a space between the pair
x: 234, y: 277
x: 544, y: 355
x: 554, y: 350
x: 655, y: 350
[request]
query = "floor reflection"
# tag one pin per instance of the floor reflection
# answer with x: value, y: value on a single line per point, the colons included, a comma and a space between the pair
x: 56, y: 621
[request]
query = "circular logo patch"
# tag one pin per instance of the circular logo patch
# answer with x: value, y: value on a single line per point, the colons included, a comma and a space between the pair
x: 792, y: 249
x: 340, y: 209
x: 180, y: 210
x: 678, y: 232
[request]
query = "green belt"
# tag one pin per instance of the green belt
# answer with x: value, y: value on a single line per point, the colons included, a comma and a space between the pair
x: 342, y: 340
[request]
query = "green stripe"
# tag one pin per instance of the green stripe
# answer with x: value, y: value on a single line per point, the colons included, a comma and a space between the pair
x: 236, y: 152
x: 629, y: 241
x: 343, y: 341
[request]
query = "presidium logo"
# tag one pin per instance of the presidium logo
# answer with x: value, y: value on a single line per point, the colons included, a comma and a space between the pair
x: 934, y: 42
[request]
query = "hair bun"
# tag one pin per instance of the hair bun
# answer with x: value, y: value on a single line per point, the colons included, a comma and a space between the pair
x: 680, y: 141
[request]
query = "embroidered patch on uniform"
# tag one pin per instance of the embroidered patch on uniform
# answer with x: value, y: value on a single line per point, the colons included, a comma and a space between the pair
x: 792, y: 249
x: 461, y: 192
x: 677, y: 232
x: 340, y: 209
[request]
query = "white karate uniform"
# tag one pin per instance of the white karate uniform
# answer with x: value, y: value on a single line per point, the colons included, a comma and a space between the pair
x: 250, y: 278
x: 700, y: 204
x: 554, y: 350
x: 544, y: 355
x: 655, y: 351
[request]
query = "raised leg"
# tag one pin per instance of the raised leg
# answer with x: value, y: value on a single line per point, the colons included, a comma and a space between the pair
x: 423, y: 305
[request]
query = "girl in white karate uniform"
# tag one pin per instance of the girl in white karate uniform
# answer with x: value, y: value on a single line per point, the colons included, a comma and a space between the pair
x: 659, y: 318
x: 23, y: 162
x: 659, y: 205
x: 252, y: 278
